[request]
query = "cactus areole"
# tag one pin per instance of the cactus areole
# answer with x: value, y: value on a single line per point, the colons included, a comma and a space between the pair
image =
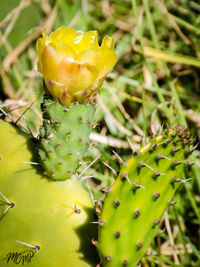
x: 143, y: 190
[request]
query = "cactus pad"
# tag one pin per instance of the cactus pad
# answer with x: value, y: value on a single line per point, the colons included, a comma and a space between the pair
x: 143, y: 190
x: 42, y: 222
x: 64, y: 137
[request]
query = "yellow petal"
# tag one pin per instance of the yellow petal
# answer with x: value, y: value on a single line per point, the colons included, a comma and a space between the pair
x: 75, y: 76
x: 63, y: 51
x: 50, y: 63
x: 89, y: 56
x: 40, y: 48
x: 62, y: 35
x: 107, y: 60
x: 85, y: 41
x: 108, y: 43
x: 54, y: 88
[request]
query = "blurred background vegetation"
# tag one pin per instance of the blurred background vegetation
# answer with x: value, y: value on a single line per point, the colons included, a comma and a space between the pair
x: 155, y: 82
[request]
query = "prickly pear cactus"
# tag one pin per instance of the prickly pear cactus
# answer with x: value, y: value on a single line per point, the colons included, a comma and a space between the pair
x: 143, y: 190
x: 42, y: 222
x: 64, y: 137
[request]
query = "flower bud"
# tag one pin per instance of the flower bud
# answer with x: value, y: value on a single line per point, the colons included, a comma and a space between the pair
x: 73, y: 64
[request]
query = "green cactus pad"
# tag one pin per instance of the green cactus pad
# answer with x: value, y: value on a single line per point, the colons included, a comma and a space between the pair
x: 143, y: 190
x: 64, y: 137
x: 42, y: 222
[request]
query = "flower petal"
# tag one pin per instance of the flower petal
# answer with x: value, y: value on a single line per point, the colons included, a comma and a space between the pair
x: 50, y: 63
x: 40, y: 48
x: 54, y: 88
x: 89, y: 56
x: 75, y: 76
x: 107, y: 60
x: 108, y: 43
x: 85, y: 41
x: 62, y: 35
x: 64, y: 50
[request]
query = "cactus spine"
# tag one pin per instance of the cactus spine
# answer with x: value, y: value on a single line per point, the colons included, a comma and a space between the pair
x: 143, y: 190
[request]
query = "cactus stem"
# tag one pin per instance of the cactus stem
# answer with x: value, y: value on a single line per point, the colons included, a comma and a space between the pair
x: 89, y: 166
x: 113, y: 171
x: 119, y: 158
x: 28, y: 245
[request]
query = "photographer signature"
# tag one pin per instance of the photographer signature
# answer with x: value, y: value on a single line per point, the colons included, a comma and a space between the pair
x: 18, y: 258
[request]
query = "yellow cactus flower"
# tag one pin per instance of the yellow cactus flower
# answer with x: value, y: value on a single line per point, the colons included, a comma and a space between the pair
x: 73, y: 64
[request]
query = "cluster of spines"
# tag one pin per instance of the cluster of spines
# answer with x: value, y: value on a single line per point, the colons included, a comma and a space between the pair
x: 162, y: 160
